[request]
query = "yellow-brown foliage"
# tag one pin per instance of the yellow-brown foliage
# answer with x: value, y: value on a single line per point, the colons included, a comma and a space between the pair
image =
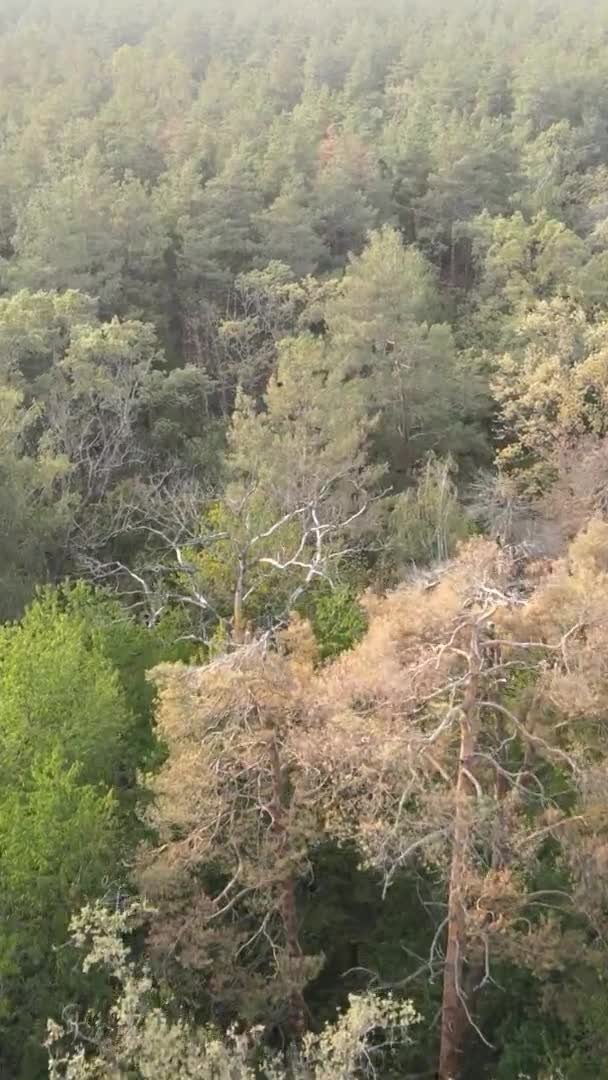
x: 235, y: 815
x: 533, y: 646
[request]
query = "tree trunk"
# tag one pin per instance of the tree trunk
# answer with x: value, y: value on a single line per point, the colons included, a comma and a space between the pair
x: 238, y: 628
x: 296, y: 1011
x: 296, y: 1007
x: 454, y: 1019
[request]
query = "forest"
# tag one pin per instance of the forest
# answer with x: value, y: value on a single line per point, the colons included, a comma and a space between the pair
x: 304, y: 539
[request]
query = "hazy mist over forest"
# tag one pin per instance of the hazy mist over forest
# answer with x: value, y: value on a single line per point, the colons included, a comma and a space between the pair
x: 303, y: 539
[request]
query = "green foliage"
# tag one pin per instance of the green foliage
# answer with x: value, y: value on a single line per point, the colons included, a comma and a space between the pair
x: 343, y: 921
x: 74, y: 734
x: 338, y: 620
x: 277, y: 283
x: 75, y: 726
x: 522, y: 262
x: 230, y: 538
x: 61, y: 842
x: 35, y: 330
x: 428, y: 522
x: 130, y: 648
x: 142, y: 1038
x: 552, y: 391
x: 383, y: 329
x: 33, y: 516
x: 292, y: 232
x: 83, y: 230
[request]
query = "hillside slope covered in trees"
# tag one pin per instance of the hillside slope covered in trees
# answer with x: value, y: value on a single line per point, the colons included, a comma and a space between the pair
x: 303, y: 539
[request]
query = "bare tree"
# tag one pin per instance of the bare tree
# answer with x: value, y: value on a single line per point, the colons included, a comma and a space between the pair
x: 297, y: 488
x: 184, y: 532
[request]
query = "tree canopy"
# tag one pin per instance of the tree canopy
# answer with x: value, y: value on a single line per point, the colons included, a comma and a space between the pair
x: 303, y: 552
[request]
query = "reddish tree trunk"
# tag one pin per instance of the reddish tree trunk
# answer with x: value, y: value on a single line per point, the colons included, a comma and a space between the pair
x: 237, y: 609
x: 454, y: 1021
x: 296, y: 1007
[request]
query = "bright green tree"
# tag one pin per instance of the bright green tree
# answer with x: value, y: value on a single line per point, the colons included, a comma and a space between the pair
x: 75, y: 725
